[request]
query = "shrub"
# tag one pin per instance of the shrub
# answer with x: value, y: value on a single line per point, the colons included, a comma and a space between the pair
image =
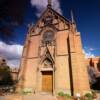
x: 27, y: 91
x: 68, y: 95
x: 89, y: 96
x: 61, y: 94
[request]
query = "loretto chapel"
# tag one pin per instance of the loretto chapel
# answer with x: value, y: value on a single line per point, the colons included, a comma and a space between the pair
x: 53, y: 58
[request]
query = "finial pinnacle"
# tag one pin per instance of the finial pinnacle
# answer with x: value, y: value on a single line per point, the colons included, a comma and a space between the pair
x: 49, y: 3
x: 73, y: 21
x: 72, y: 17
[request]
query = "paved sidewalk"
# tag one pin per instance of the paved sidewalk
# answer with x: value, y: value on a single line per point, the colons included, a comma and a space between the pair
x: 98, y: 96
x: 29, y: 97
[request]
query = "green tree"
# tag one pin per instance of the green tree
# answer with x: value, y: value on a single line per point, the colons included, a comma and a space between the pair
x: 5, y: 76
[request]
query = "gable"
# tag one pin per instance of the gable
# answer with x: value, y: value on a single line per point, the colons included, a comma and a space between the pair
x: 47, y: 54
x: 52, y: 19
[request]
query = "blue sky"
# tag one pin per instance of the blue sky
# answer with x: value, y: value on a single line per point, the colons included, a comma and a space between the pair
x: 86, y: 14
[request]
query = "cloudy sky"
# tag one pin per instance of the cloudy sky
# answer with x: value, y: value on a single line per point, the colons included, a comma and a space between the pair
x: 15, y: 15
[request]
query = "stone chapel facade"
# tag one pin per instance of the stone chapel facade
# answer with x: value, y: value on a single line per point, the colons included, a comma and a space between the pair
x: 52, y: 59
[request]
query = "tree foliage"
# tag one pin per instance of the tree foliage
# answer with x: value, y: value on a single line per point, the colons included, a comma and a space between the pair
x: 5, y: 76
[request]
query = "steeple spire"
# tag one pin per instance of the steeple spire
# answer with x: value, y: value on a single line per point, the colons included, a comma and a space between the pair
x: 49, y: 3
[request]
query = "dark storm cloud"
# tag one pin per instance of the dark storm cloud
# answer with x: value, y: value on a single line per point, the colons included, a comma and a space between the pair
x: 11, y: 15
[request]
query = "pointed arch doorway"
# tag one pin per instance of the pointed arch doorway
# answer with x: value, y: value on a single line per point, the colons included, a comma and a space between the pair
x: 47, y: 76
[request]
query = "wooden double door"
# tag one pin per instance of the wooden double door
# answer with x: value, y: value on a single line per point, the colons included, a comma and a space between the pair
x: 47, y: 81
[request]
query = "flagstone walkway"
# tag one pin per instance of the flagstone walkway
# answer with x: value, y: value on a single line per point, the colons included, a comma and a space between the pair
x: 33, y: 97
x: 29, y: 97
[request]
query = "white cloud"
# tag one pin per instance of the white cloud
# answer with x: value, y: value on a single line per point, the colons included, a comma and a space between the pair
x: 12, y: 53
x: 41, y: 6
x: 14, y: 63
x: 91, y: 49
x: 88, y: 52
